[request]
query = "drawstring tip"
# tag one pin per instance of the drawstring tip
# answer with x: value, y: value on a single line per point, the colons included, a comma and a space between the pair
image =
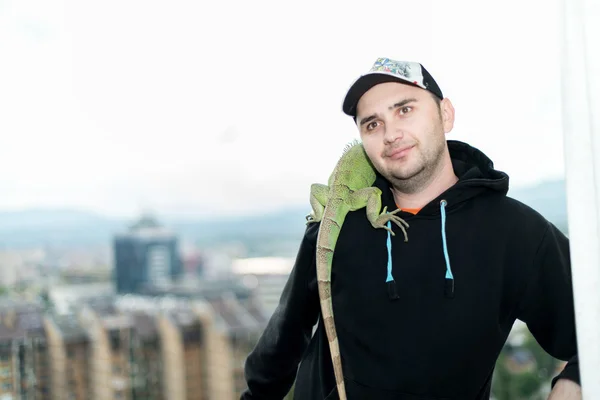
x: 449, y: 288
x: 392, y: 290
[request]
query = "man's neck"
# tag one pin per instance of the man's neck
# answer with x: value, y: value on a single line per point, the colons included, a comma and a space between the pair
x: 440, y: 183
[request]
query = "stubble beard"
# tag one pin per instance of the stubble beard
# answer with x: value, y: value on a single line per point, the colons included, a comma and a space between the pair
x: 426, y: 166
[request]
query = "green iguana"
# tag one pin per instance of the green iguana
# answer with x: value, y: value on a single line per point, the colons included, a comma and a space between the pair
x: 349, y: 188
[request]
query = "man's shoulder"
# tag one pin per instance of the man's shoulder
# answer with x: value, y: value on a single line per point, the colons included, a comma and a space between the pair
x: 311, y: 232
x: 521, y: 207
x: 524, y: 214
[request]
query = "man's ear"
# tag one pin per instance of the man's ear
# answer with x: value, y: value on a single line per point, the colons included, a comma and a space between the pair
x: 447, y: 112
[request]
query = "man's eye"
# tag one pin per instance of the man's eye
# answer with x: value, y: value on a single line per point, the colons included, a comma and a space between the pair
x: 404, y: 110
x: 372, y: 125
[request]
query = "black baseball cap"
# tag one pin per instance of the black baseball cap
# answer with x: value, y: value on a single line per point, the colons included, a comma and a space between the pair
x: 388, y: 70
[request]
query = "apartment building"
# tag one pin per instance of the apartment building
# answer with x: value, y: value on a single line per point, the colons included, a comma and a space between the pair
x: 109, y: 366
x: 204, y: 343
x: 24, y: 360
x: 128, y: 348
x: 146, y: 358
x: 183, y: 352
x: 239, y: 329
x: 69, y: 356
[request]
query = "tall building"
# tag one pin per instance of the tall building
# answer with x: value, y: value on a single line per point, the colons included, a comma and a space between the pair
x: 24, y: 361
x: 146, y: 256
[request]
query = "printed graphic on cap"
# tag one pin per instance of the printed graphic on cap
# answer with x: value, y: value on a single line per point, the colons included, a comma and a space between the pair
x: 403, y: 69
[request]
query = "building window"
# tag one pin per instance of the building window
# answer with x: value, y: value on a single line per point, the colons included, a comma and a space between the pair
x: 159, y: 264
x: 115, y: 340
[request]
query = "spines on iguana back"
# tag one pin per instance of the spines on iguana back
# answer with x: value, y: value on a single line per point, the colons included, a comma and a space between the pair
x: 349, y: 145
x: 340, y: 162
x: 353, y: 169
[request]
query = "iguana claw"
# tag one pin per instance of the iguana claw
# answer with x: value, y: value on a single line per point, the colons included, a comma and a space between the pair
x: 385, y: 216
x: 311, y: 219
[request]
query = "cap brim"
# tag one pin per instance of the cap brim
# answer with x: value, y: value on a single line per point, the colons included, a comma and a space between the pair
x: 363, y: 84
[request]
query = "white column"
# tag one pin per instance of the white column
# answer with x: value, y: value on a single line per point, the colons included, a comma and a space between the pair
x: 580, y: 63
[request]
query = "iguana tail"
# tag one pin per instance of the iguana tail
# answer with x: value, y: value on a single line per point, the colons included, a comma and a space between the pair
x: 328, y: 234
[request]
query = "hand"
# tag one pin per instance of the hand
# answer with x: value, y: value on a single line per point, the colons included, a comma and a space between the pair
x: 565, y: 389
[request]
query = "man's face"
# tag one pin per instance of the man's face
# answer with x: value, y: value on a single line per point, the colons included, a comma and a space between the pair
x: 403, y: 132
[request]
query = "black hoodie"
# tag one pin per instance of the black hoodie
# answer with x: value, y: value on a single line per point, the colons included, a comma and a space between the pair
x: 472, y: 266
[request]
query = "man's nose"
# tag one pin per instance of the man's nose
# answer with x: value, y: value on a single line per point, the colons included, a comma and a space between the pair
x: 393, y: 132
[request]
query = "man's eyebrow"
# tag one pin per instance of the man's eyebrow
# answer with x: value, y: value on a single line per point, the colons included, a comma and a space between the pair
x: 367, y: 119
x: 401, y: 103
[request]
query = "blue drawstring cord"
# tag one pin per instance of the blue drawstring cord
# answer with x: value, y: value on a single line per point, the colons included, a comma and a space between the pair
x: 449, y: 286
x: 389, y: 250
x: 391, y: 283
x: 448, y: 270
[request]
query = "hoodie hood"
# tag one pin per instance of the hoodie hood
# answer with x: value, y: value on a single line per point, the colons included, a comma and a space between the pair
x: 475, y: 172
x: 476, y: 175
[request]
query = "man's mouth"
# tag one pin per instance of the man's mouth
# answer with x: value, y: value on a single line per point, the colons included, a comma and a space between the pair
x: 400, y: 152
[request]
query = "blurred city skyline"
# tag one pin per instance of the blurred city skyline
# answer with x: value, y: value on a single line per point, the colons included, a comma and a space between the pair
x: 235, y: 108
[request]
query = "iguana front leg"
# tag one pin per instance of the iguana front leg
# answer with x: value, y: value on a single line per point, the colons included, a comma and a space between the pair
x: 318, y: 199
x: 371, y: 198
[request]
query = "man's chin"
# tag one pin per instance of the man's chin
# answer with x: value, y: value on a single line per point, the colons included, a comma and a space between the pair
x: 404, y: 174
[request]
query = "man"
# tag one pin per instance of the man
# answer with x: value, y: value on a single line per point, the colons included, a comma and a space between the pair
x: 476, y: 260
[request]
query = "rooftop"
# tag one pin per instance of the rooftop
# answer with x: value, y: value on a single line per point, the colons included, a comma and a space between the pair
x: 183, y: 317
x: 70, y: 328
x: 21, y: 321
x: 147, y: 227
x: 235, y: 315
x: 144, y: 324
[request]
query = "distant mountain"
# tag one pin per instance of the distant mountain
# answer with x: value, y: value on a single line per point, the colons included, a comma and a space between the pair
x: 263, y: 233
x: 548, y: 198
x: 54, y: 227
x: 74, y: 228
x: 284, y: 222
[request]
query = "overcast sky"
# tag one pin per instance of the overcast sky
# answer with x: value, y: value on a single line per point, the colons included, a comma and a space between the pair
x: 235, y: 106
